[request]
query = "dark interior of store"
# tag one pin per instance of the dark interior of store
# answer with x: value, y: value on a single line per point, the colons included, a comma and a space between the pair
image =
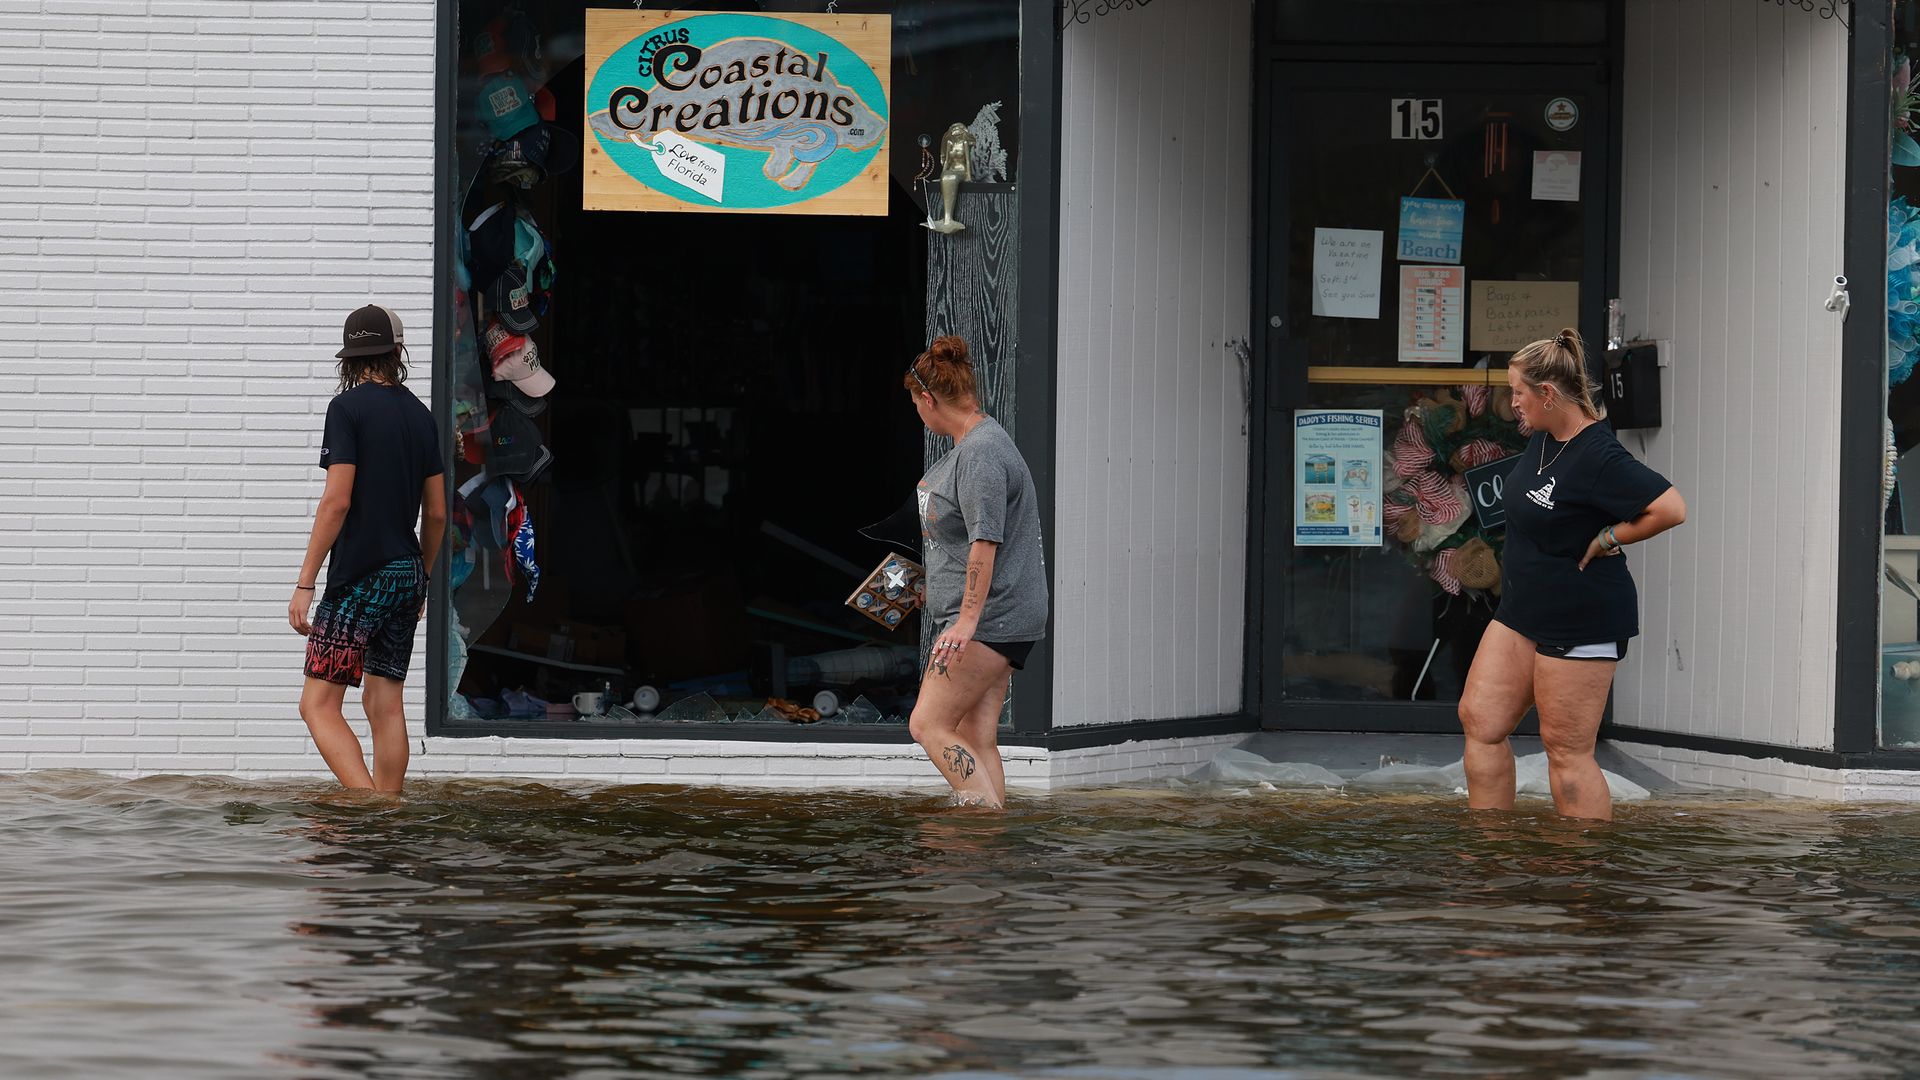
x: 725, y: 417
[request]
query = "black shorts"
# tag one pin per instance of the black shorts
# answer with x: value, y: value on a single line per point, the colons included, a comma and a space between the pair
x: 1015, y: 651
x: 1585, y: 652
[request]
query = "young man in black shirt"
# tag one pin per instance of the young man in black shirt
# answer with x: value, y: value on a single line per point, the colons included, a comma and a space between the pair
x: 381, y: 451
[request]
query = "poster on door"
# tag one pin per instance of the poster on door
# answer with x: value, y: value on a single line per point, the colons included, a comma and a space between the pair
x: 1337, y: 481
x: 1433, y: 314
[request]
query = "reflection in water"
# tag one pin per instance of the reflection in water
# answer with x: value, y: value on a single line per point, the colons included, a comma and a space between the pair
x: 199, y: 928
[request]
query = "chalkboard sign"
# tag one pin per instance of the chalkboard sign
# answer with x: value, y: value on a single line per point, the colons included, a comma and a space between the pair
x: 1485, y: 486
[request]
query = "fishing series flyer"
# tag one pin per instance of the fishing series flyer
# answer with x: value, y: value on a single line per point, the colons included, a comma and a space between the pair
x: 1337, y: 482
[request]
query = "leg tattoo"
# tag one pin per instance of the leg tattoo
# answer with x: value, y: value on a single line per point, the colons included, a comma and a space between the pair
x: 959, y: 761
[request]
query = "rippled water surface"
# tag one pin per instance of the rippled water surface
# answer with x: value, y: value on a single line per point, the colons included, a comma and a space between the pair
x: 199, y: 928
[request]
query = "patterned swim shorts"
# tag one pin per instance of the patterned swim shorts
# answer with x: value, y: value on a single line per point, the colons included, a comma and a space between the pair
x: 368, y: 626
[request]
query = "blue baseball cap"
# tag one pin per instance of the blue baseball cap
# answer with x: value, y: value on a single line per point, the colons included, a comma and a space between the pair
x: 506, y: 106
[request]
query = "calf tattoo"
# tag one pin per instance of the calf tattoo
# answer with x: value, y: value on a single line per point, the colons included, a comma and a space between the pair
x: 959, y: 761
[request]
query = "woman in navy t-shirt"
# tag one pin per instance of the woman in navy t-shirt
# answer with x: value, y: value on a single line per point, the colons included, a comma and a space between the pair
x: 1567, y: 603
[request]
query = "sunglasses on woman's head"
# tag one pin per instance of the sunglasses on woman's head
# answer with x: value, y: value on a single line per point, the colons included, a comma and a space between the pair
x: 913, y: 369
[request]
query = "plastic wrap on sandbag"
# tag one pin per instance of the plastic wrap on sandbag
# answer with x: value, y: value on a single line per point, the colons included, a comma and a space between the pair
x: 1414, y: 777
x: 1244, y: 766
x: 1530, y: 778
x: 1530, y: 773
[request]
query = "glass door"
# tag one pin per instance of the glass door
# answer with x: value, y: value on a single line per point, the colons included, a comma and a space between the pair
x: 1425, y: 220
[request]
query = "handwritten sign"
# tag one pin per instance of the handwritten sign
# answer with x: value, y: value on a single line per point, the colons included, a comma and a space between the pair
x: 1509, y: 314
x: 1432, y: 314
x: 685, y: 162
x: 1346, y: 273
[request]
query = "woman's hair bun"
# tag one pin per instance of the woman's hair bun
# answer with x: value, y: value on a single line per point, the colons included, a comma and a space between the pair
x: 948, y: 349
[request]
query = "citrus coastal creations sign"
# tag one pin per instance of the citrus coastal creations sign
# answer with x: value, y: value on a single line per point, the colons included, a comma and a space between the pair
x: 732, y: 112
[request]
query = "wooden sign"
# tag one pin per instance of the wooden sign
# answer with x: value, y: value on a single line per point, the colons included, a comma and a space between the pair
x: 1510, y: 314
x: 726, y: 112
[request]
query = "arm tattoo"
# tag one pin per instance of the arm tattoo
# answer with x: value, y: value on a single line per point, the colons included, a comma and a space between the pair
x: 959, y: 761
x: 973, y: 584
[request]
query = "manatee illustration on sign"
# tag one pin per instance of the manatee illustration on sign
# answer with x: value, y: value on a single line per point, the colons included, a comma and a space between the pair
x: 796, y: 103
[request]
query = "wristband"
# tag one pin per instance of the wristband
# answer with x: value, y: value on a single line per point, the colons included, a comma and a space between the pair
x: 298, y: 587
x: 1613, y: 542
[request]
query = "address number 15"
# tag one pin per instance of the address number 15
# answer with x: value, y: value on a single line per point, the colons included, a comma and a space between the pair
x: 1416, y: 118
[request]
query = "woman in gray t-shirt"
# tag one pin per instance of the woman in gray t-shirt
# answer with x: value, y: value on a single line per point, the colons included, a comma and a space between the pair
x: 986, y: 575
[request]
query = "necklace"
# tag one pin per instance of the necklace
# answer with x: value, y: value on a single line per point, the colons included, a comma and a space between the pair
x: 1557, y: 453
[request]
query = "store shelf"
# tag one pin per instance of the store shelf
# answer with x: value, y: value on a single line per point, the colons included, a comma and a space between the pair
x: 547, y: 661
x: 1409, y: 375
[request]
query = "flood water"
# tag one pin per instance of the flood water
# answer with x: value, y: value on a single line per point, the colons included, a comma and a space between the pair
x: 201, y: 928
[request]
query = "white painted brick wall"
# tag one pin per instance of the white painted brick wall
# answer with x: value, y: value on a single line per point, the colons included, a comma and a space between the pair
x: 197, y: 192
x: 1136, y: 762
x: 1774, y: 776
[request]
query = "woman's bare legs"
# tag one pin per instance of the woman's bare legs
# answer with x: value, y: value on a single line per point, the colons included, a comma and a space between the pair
x: 940, y: 723
x: 982, y: 730
x: 1498, y: 693
x: 1572, y: 697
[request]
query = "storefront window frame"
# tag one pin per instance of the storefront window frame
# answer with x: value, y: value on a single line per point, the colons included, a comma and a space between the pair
x: 1036, y: 164
x: 1863, y: 393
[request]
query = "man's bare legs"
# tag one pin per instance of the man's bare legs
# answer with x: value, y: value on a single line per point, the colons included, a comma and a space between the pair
x: 386, y: 717
x: 320, y: 707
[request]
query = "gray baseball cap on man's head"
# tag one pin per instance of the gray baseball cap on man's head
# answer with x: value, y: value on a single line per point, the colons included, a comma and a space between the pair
x: 371, y: 331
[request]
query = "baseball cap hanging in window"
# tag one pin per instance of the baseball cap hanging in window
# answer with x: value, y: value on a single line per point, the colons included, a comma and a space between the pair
x: 528, y: 145
x: 515, y: 360
x: 491, y: 240
x: 535, y: 154
x: 514, y: 446
x: 370, y: 331
x: 502, y: 236
x: 510, y: 299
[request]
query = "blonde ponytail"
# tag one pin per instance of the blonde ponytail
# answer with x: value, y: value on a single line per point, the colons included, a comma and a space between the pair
x: 1560, y: 362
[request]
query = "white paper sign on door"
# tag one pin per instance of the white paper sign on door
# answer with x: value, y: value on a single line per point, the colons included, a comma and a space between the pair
x: 1433, y: 317
x: 1556, y: 175
x: 687, y: 163
x: 1346, y: 273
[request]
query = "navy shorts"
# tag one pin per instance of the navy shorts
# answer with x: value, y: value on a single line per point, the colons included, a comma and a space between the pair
x: 367, y: 627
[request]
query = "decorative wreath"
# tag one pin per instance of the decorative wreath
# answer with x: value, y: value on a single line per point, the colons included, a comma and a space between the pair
x: 1428, y: 511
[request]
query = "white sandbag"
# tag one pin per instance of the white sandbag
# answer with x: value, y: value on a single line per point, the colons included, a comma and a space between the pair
x: 1403, y: 776
x: 1530, y: 775
x: 1530, y: 778
x: 1243, y: 766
